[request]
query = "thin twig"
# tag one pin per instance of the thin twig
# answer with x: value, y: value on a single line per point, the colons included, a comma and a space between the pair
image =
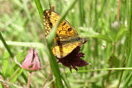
x: 47, y: 79
x: 118, y: 10
x: 50, y: 82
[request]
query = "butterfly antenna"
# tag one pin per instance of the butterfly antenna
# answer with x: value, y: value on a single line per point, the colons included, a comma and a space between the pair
x: 51, y: 6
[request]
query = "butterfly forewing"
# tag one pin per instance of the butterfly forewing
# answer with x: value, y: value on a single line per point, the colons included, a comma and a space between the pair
x: 63, y: 30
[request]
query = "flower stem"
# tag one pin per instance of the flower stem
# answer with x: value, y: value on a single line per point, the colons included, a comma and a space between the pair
x: 29, y: 80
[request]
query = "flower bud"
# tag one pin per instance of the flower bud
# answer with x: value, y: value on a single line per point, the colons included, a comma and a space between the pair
x: 31, y: 61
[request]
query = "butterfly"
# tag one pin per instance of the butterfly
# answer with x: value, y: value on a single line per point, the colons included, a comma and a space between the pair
x: 67, y: 38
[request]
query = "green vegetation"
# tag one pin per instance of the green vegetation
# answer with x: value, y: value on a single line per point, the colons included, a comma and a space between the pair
x: 105, y: 23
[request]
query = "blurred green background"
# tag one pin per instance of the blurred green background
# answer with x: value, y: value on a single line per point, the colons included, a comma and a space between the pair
x: 106, y: 24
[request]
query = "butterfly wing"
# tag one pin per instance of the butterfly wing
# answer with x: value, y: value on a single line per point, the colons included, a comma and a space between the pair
x: 49, y: 19
x: 66, y: 49
x: 64, y: 31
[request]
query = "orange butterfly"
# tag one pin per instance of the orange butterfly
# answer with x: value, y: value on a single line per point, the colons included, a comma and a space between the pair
x: 67, y: 38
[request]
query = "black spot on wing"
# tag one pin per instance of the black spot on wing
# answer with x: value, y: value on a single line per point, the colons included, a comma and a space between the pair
x: 50, y: 24
x: 63, y: 23
x: 69, y: 29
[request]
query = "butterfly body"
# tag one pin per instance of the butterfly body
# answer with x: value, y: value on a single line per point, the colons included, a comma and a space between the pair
x: 67, y: 38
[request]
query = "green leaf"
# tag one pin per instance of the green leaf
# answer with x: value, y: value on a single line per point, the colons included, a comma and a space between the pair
x: 39, y: 7
x: 103, y: 37
x: 5, y: 64
x: 112, y: 34
x: 16, y: 75
x: 122, y: 31
x: 93, y: 34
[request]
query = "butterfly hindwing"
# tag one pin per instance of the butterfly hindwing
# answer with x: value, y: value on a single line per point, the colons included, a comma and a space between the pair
x: 66, y: 49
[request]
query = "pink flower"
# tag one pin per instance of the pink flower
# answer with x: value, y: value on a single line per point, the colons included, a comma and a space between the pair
x: 31, y: 61
x: 73, y: 59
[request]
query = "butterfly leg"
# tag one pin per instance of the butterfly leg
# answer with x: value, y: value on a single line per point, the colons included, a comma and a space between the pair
x: 70, y: 69
x: 74, y: 67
